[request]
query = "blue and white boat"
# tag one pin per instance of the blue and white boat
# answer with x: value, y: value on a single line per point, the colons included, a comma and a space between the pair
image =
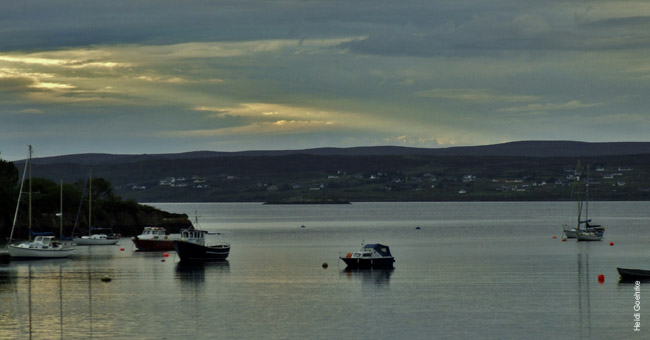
x: 372, y: 255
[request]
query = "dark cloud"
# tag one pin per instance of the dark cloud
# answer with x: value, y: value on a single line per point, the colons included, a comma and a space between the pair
x: 15, y: 85
x: 465, y: 71
x: 499, y: 34
x: 634, y: 21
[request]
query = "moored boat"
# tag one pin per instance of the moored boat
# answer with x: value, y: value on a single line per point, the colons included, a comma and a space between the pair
x: 633, y: 274
x: 200, y: 245
x: 570, y: 232
x: 95, y: 239
x: 370, y: 256
x: 42, y: 247
x: 591, y: 233
x: 589, y: 236
x: 584, y: 230
x: 155, y: 238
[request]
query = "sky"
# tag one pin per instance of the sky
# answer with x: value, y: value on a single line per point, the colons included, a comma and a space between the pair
x: 161, y: 76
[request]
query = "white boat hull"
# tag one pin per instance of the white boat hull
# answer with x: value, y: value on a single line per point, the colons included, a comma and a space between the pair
x: 589, y: 237
x: 84, y: 241
x: 36, y: 253
x: 571, y: 233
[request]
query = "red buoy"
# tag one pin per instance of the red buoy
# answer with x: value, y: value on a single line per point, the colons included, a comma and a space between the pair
x: 611, y: 243
x: 121, y: 248
x: 554, y: 237
x: 165, y: 255
x: 601, y: 278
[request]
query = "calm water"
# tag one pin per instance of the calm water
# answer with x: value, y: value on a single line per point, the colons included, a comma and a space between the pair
x: 474, y: 270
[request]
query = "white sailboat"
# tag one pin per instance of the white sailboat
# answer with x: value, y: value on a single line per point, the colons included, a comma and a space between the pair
x: 93, y: 239
x: 43, y: 246
x: 573, y: 232
x: 584, y: 230
x: 590, y: 232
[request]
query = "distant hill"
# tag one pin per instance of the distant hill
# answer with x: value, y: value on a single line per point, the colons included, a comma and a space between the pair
x: 539, y: 170
x: 511, y: 149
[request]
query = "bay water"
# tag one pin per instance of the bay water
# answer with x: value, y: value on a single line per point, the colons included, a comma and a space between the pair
x: 488, y: 270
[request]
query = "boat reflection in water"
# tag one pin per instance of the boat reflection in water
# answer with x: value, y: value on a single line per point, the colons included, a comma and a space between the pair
x: 195, y: 271
x: 369, y: 276
x: 52, y: 300
x: 30, y: 298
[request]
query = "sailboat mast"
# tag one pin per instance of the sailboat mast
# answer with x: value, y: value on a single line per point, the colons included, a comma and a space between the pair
x: 20, y: 195
x: 587, y: 196
x: 90, y: 201
x: 579, y: 198
x: 61, y: 213
x: 29, y: 195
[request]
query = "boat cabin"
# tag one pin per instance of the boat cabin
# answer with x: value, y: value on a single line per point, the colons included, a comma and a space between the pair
x: 43, y: 242
x: 203, y: 237
x: 193, y: 236
x: 372, y: 251
x: 153, y: 233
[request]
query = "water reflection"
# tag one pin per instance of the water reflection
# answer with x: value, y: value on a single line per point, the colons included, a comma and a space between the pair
x: 6, y: 276
x: 584, y: 301
x: 195, y: 271
x: 52, y: 299
x: 631, y: 282
x: 42, y: 279
x: 378, y: 277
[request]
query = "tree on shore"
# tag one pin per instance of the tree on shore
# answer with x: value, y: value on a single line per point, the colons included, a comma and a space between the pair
x: 9, y: 178
x: 108, y: 209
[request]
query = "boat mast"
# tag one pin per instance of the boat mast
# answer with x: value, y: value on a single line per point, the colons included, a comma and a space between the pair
x: 578, y: 192
x: 90, y: 200
x: 29, y: 194
x: 587, y: 197
x: 20, y: 194
x: 61, y: 213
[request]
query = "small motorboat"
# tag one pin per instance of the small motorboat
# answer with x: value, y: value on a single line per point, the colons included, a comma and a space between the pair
x: 373, y: 255
x: 633, y: 274
x: 155, y: 238
x: 200, y: 245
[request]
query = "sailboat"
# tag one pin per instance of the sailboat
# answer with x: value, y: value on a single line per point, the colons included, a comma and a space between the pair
x: 93, y: 239
x: 584, y: 230
x: 43, y: 246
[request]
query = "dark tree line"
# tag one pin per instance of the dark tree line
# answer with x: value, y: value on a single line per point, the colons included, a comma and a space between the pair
x: 48, y: 197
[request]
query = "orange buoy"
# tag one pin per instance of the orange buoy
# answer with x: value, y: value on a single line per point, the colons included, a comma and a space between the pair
x: 349, y: 255
x: 601, y: 278
x: 564, y: 239
x: 611, y: 243
x: 165, y: 255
